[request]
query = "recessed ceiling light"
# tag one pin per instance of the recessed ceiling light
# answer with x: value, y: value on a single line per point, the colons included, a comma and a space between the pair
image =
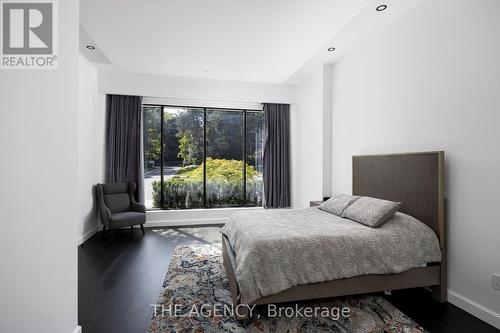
x: 91, y: 47
x: 331, y: 49
x: 381, y: 8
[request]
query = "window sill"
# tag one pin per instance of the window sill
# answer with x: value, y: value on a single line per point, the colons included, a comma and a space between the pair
x: 191, y: 217
x: 225, y: 209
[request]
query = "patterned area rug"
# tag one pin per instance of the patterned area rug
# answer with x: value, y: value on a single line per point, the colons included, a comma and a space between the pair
x: 196, y: 298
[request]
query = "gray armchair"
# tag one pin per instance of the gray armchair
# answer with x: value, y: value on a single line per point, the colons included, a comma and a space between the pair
x: 118, y: 207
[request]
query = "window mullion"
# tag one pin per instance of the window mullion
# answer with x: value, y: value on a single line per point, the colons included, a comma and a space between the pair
x: 244, y: 158
x: 162, y: 146
x: 204, y: 157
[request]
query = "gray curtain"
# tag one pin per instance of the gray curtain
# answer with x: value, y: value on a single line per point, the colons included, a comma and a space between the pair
x: 123, y: 142
x: 276, y: 155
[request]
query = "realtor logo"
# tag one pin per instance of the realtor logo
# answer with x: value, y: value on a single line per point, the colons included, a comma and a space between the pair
x: 29, y: 39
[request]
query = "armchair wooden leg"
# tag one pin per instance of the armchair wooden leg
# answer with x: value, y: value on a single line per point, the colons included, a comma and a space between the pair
x: 142, y: 228
x: 114, y: 234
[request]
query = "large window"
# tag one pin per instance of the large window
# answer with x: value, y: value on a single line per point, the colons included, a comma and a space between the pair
x: 202, y: 157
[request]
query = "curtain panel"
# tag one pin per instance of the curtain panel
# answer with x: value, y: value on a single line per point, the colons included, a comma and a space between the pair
x: 123, y: 142
x: 276, y: 155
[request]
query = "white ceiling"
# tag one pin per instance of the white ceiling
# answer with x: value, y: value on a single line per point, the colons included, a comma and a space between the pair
x: 94, y: 55
x: 256, y: 40
x: 368, y: 23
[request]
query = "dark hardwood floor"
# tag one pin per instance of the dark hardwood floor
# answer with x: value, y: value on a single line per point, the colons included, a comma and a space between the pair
x: 118, y: 281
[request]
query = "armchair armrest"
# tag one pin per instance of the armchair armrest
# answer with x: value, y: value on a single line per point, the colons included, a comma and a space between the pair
x: 104, y: 211
x: 134, y: 205
x: 105, y: 216
x: 137, y: 207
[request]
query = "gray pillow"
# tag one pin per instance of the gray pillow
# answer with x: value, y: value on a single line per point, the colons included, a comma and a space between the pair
x: 338, y: 203
x: 371, y: 211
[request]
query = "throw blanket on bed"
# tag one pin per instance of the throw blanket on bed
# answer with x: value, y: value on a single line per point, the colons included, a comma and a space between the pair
x: 279, y: 249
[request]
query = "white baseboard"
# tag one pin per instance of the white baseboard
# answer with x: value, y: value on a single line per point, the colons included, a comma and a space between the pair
x: 77, y: 329
x: 87, y: 235
x: 474, y: 309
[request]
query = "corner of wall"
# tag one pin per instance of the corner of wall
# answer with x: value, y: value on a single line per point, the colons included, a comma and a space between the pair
x: 327, y: 130
x: 91, y: 132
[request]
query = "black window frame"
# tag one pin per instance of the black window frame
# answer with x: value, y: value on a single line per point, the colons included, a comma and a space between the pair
x: 244, y: 150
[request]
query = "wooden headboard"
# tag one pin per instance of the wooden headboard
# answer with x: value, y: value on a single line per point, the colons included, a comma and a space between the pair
x: 415, y: 179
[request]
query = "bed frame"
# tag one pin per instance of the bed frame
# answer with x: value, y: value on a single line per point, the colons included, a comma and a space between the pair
x: 415, y: 179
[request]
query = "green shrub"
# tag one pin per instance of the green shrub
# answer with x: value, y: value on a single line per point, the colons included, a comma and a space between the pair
x: 224, y: 186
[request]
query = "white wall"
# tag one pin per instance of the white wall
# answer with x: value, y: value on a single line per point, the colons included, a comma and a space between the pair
x: 431, y: 81
x: 307, y: 141
x: 115, y: 82
x: 38, y: 192
x: 91, y: 122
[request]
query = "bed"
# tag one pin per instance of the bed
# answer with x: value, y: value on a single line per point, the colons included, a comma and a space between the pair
x: 276, y: 256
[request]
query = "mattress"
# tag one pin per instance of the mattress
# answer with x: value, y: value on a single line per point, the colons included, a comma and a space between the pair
x: 279, y: 249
